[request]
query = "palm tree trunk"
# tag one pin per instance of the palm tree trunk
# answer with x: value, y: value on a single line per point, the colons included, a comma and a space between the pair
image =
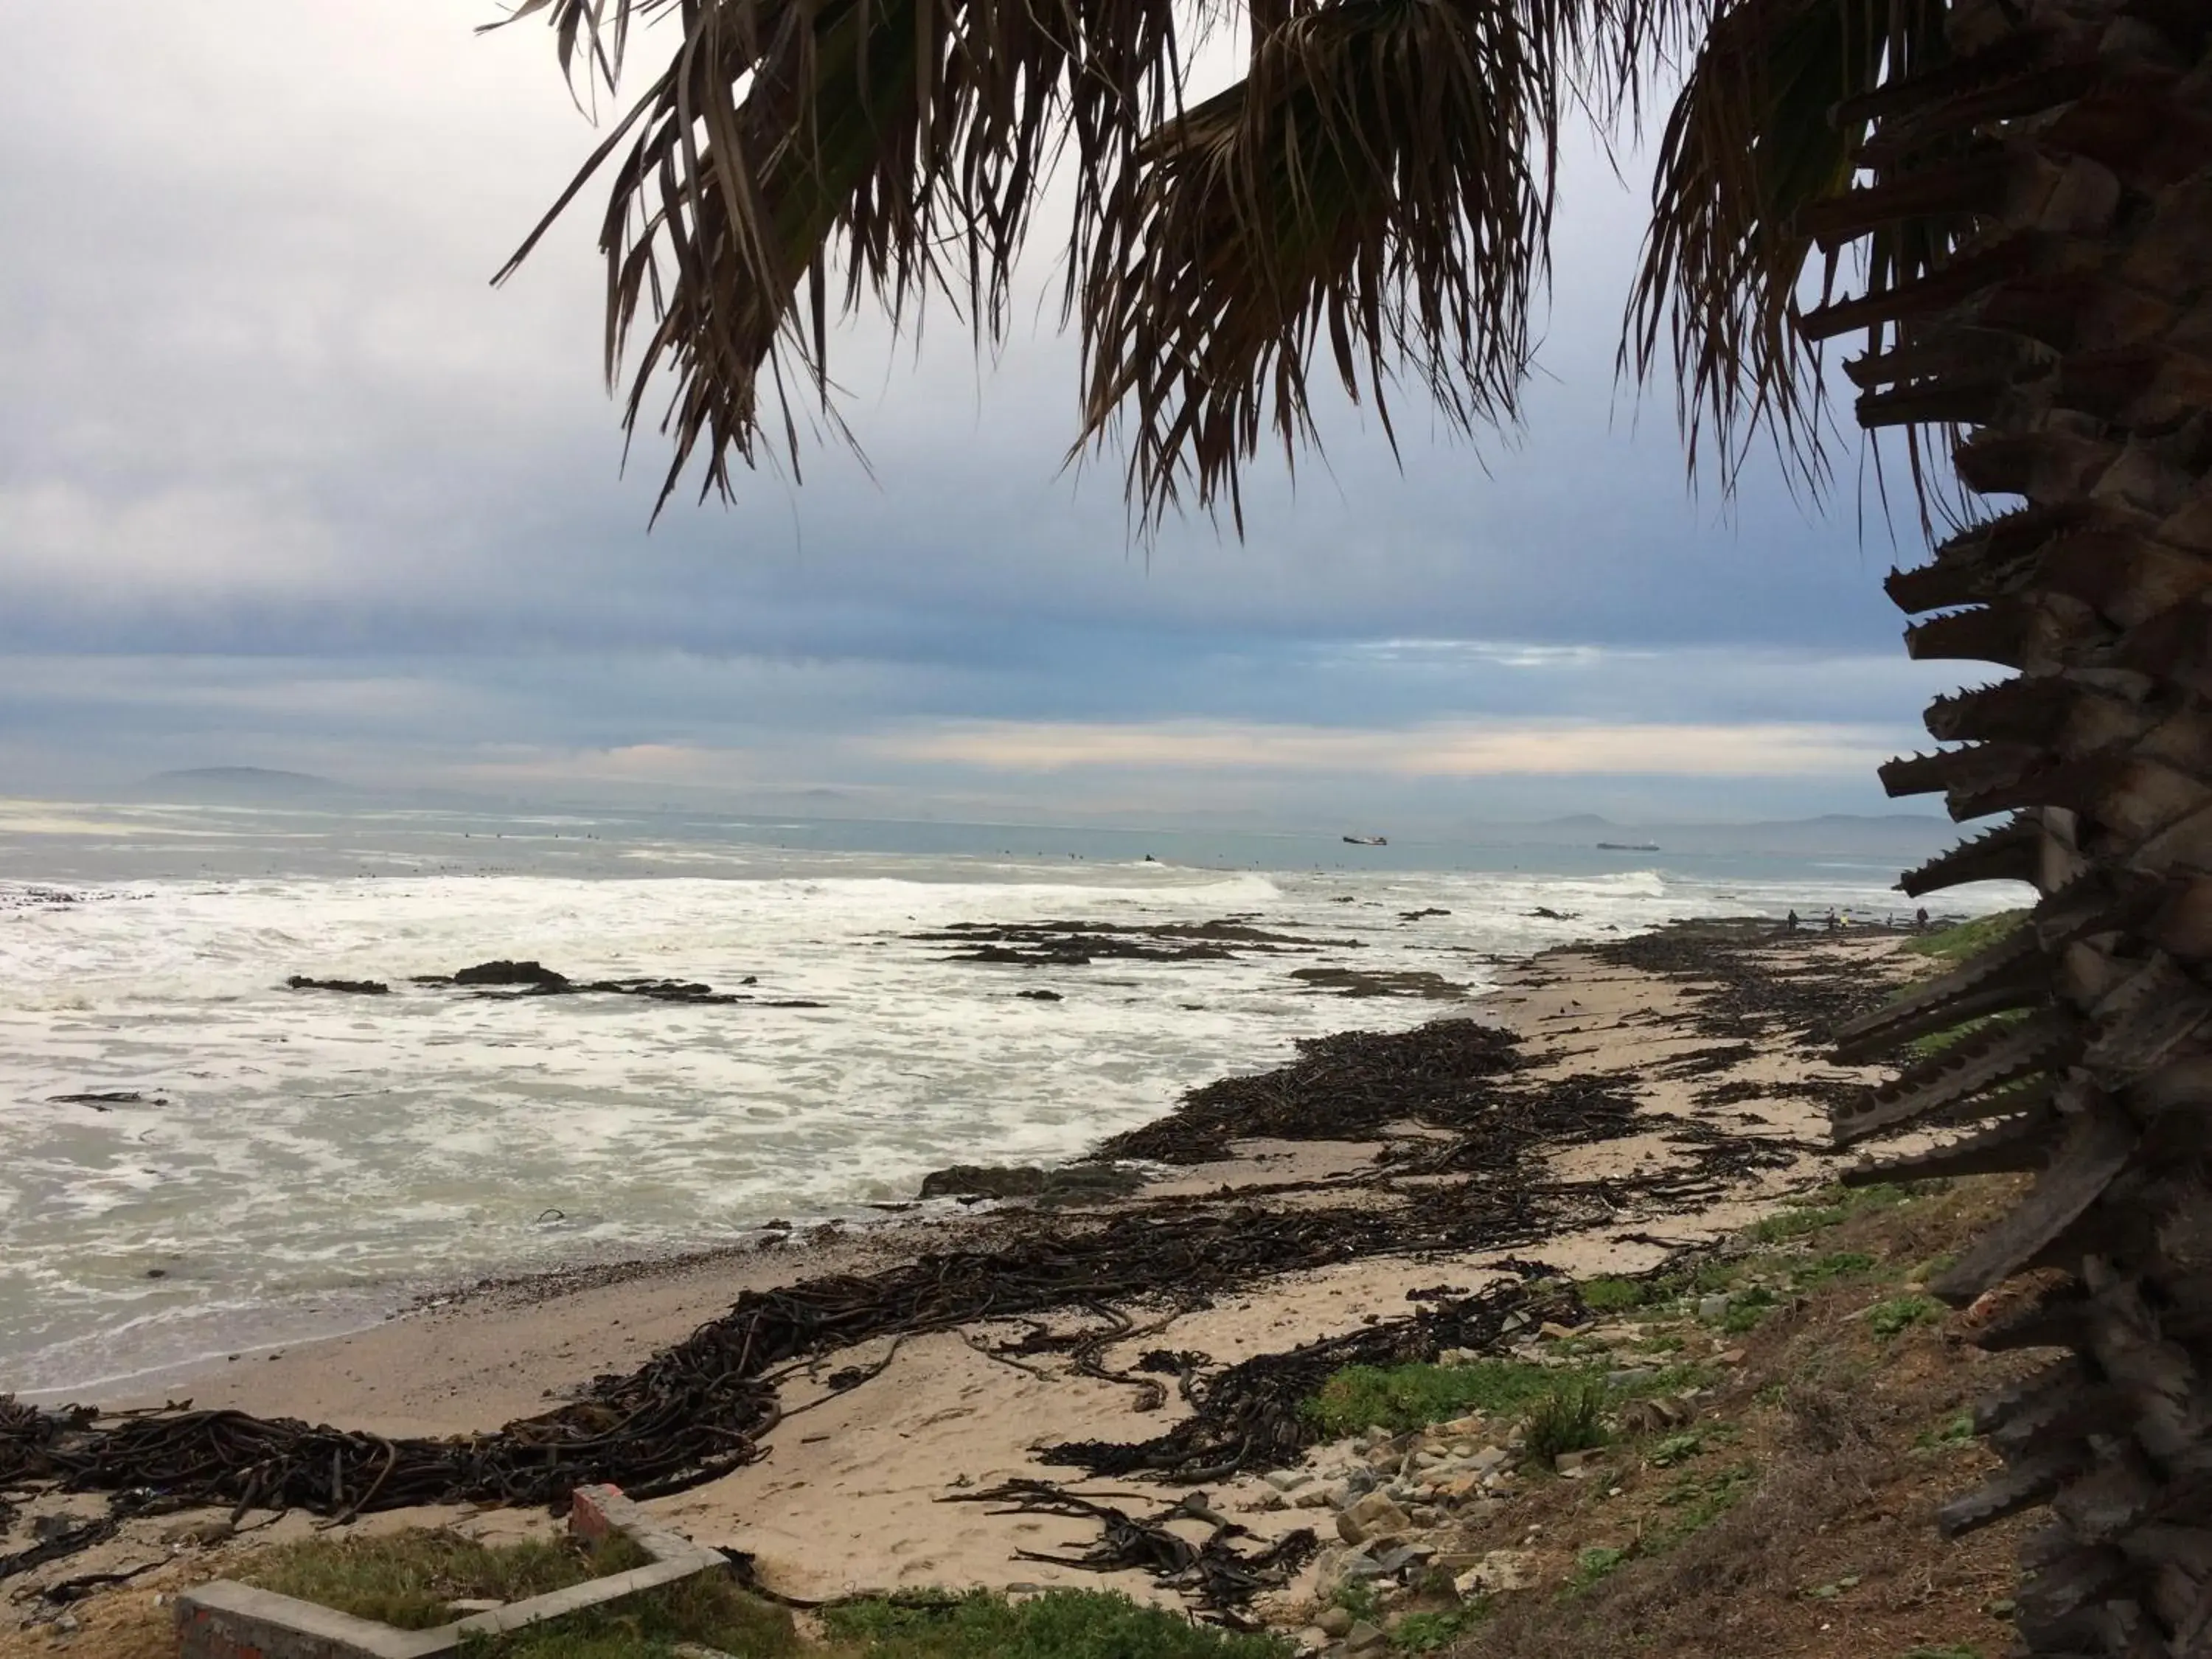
x: 2068, y: 337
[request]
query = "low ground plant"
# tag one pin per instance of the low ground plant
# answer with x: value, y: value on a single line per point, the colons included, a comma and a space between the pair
x: 1060, y: 1623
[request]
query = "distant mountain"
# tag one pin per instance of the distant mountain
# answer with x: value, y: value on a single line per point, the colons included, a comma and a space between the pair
x: 241, y: 783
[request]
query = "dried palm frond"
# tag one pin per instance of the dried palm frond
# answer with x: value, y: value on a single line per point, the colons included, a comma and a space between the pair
x: 1765, y: 126
x: 1378, y: 187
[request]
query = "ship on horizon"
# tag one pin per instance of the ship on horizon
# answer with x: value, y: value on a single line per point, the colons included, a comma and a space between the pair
x: 1628, y: 847
x: 1367, y: 841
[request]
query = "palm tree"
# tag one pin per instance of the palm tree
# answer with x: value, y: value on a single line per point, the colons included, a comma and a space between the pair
x: 2027, y: 183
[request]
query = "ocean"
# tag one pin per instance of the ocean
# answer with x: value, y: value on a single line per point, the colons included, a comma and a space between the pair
x: 277, y: 1164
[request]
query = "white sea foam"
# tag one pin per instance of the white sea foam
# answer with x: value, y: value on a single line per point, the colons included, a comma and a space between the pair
x: 300, y: 1160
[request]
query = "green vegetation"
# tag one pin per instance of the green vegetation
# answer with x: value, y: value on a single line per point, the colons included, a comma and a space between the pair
x: 1425, y: 1632
x: 1827, y: 1269
x: 1593, y: 1566
x: 410, y: 1578
x: 1614, y: 1295
x: 1699, y: 1500
x: 1956, y: 944
x: 1399, y: 1397
x: 1402, y: 1397
x: 1901, y: 1312
x: 1057, y: 1625
x: 1957, y: 1430
x: 1569, y: 1419
x: 1746, y: 1308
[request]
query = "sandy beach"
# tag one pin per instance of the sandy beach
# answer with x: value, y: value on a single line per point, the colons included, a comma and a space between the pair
x: 1727, y: 1075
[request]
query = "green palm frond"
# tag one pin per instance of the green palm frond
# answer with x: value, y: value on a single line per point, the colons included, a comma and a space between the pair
x: 1769, y: 122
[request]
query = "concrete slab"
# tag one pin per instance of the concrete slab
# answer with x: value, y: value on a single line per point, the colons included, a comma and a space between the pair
x: 229, y: 1620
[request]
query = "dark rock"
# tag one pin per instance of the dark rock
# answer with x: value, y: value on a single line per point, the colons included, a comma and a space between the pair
x: 1418, y: 915
x: 100, y: 1099
x: 1040, y: 996
x: 359, y: 988
x: 513, y: 973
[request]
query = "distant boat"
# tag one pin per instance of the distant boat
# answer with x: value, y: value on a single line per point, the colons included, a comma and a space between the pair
x: 1368, y: 841
x: 1628, y: 847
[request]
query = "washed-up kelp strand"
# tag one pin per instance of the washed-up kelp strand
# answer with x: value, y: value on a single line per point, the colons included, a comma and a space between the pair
x: 1215, y: 1575
x: 1742, y: 982
x: 1495, y: 1127
x: 1077, y: 944
x: 700, y: 1409
x: 1248, y: 1416
x: 1349, y: 1086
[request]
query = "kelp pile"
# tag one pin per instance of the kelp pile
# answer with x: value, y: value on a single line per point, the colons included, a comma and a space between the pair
x: 1247, y: 1417
x: 1350, y: 1086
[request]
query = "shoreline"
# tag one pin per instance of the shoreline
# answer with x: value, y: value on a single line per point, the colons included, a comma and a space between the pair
x: 850, y: 1495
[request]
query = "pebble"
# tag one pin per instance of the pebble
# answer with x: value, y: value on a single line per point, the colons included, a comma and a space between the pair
x: 1334, y: 1621
x: 1712, y: 1309
x: 1288, y: 1480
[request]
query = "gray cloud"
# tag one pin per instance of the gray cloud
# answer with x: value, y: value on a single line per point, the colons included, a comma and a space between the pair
x: 282, y: 480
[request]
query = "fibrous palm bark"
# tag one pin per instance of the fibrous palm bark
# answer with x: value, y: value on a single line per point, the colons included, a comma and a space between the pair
x: 2068, y: 333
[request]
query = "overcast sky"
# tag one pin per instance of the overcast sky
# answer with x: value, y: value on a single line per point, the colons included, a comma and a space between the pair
x: 283, y: 482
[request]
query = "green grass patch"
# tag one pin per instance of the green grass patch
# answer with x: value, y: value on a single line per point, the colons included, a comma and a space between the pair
x: 1786, y: 1224
x: 1836, y: 1265
x: 1746, y: 1308
x: 1402, y: 1397
x: 1594, y: 1566
x: 1954, y: 1431
x: 1612, y: 1295
x: 1060, y: 1623
x: 1901, y: 1313
x: 1426, y: 1632
x: 1699, y: 1500
x: 409, y: 1579
x: 1957, y: 943
x: 1399, y: 1397
x: 1569, y: 1420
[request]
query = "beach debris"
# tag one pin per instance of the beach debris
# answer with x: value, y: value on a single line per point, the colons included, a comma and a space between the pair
x: 1215, y: 1574
x: 1078, y: 943
x: 359, y: 988
x: 1347, y: 1086
x: 1359, y: 982
x: 100, y: 1099
x: 1070, y: 1183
